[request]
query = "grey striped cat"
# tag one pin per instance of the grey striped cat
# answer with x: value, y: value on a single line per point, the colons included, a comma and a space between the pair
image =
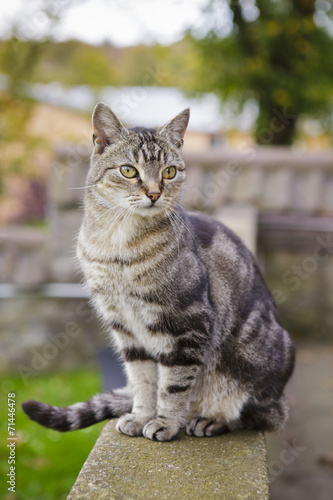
x: 183, y: 299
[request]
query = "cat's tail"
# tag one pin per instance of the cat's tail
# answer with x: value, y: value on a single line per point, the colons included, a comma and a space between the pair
x: 80, y: 415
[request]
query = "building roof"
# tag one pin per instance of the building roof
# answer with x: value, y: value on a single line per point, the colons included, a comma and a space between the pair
x: 137, y: 106
x: 151, y: 106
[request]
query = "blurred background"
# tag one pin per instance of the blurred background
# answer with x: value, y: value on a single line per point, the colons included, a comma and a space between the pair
x: 258, y: 77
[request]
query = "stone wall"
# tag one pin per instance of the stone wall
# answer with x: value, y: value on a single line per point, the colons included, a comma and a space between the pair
x: 66, y: 192
x: 303, y: 289
x: 38, y: 335
x: 228, y: 467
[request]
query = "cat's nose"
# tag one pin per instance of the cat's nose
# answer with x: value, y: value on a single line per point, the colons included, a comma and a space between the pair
x: 153, y: 196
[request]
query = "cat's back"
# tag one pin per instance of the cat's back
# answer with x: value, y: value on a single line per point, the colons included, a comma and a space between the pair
x: 235, y: 279
x: 219, y: 244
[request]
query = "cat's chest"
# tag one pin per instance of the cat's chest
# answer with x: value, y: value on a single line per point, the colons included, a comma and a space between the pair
x: 123, y: 290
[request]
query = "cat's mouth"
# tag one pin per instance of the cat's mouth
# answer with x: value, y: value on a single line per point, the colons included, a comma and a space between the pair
x: 152, y: 205
x: 151, y: 210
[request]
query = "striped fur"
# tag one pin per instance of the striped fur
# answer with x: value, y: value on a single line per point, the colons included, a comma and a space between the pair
x: 184, y: 301
x: 80, y: 415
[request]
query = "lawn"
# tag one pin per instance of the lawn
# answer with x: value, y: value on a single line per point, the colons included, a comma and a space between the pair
x: 47, y: 462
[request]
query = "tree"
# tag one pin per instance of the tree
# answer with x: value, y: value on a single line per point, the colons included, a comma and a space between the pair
x: 278, y: 51
x: 28, y: 36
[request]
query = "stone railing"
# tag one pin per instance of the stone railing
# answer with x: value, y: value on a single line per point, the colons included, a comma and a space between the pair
x: 229, y: 467
x: 254, y: 192
x: 23, y: 256
x: 271, y: 197
x: 271, y: 179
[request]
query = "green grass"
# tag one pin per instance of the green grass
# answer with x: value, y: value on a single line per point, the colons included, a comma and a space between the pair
x: 47, y: 461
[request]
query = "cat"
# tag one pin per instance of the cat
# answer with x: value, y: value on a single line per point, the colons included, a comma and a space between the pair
x: 183, y: 299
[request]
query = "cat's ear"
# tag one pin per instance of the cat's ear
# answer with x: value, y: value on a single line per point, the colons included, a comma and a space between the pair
x: 175, y: 129
x: 107, y: 126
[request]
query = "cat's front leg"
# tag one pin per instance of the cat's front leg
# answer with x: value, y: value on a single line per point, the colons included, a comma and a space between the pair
x: 175, y: 384
x: 142, y: 376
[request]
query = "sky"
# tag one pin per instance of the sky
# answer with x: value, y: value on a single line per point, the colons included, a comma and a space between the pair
x: 121, y: 22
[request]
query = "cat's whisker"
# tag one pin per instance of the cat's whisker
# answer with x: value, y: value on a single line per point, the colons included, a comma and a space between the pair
x: 83, y: 187
x: 187, y: 186
x: 174, y: 230
x: 123, y: 233
x: 116, y: 212
x: 119, y: 217
x: 182, y: 222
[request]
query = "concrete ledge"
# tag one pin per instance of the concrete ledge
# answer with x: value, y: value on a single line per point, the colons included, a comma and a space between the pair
x: 232, y: 466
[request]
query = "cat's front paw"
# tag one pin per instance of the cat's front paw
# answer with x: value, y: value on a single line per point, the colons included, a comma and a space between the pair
x: 161, y: 429
x: 132, y: 424
x: 205, y: 427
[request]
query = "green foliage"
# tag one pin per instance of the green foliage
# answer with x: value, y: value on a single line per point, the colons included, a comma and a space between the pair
x: 20, y: 57
x: 77, y: 63
x: 47, y: 462
x: 18, y: 61
x: 282, y: 58
x: 74, y: 63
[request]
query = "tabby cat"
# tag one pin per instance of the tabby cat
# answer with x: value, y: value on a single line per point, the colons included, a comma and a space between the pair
x: 183, y: 299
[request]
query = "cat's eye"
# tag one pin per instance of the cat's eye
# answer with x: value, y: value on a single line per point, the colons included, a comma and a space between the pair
x: 169, y: 173
x: 129, y: 171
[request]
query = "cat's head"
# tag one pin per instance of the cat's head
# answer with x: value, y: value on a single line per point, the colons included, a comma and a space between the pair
x: 138, y: 169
